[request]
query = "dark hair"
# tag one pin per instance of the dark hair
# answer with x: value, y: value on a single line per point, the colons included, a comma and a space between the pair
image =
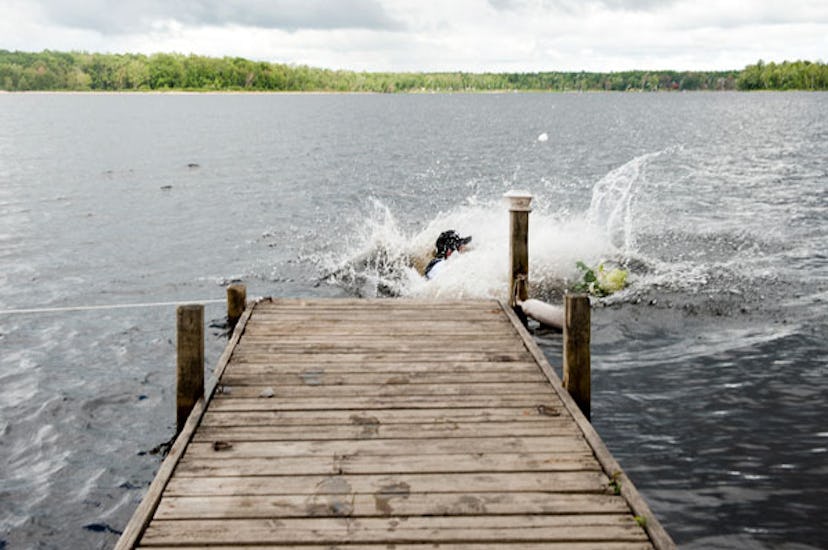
x: 450, y: 240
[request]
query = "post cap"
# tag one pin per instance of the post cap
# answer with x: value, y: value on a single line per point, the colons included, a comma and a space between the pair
x: 519, y: 200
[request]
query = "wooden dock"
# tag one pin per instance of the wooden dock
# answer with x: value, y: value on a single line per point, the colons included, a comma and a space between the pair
x: 373, y: 424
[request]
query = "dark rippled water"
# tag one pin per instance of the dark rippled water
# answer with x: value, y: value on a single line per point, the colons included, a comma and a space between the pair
x: 709, y: 371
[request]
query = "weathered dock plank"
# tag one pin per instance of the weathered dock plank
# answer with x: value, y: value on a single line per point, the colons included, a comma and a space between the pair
x: 265, y: 376
x: 239, y: 431
x: 560, y: 481
x: 365, y: 423
x: 400, y: 402
x: 400, y: 502
x: 383, y: 417
x: 245, y: 387
x: 393, y: 530
x: 448, y: 464
x: 568, y: 545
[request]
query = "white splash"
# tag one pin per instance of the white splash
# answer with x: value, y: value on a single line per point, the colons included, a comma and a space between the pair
x: 389, y: 262
x: 386, y: 261
x: 612, y: 201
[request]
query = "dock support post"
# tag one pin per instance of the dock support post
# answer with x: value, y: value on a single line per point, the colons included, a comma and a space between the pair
x: 576, y: 355
x: 519, y: 209
x: 190, y: 368
x: 236, y: 301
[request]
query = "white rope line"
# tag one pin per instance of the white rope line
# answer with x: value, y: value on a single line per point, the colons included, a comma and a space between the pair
x: 104, y: 307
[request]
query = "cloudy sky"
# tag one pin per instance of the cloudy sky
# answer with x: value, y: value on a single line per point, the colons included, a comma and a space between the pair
x: 434, y: 35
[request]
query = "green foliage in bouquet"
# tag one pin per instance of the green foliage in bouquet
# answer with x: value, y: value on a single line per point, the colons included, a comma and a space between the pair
x: 600, y: 281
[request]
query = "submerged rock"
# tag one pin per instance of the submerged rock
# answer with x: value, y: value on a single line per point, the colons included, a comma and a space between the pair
x: 101, y: 528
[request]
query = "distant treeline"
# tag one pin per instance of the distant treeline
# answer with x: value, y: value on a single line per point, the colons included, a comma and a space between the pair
x: 81, y: 71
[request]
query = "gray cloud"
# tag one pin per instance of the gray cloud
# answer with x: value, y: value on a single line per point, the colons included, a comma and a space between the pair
x: 507, y: 5
x: 119, y: 17
x: 678, y: 14
x: 575, y: 6
x: 634, y: 5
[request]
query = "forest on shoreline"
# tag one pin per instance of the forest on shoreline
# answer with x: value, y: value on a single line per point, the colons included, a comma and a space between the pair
x: 82, y: 71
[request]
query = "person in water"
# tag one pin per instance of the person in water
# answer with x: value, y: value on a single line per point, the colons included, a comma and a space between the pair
x: 447, y: 243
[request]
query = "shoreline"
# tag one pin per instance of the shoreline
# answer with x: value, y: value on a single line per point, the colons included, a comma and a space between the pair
x: 405, y: 92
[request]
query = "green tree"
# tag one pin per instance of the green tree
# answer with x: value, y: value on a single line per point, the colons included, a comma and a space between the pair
x: 166, y: 71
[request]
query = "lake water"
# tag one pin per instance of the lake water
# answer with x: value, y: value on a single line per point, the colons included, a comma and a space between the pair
x: 710, y: 371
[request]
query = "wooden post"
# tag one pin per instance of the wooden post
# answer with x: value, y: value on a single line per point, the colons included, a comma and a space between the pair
x: 236, y: 300
x: 519, y: 248
x: 576, y: 335
x: 190, y: 371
